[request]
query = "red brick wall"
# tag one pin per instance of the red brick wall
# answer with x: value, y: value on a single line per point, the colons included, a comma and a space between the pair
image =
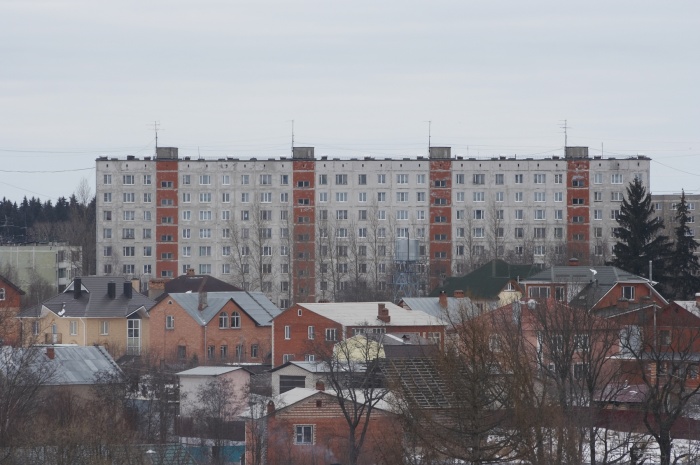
x: 330, y: 434
x: 299, y: 343
x: 579, y: 248
x: 166, y: 171
x: 304, y: 235
x: 440, y: 170
x: 9, y: 308
x: 640, y: 290
x: 187, y: 332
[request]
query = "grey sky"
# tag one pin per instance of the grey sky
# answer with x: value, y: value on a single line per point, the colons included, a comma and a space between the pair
x: 80, y: 79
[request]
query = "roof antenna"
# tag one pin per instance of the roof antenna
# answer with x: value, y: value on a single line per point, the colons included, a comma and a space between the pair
x: 430, y: 123
x: 566, y: 138
x: 292, y: 138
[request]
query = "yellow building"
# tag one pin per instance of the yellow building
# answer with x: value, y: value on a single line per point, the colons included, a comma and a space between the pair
x: 91, y: 311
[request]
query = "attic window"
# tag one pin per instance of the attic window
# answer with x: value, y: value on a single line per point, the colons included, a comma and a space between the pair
x: 319, y: 403
x: 299, y: 312
x: 170, y: 302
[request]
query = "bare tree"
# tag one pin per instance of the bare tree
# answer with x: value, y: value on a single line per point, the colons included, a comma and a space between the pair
x: 353, y: 377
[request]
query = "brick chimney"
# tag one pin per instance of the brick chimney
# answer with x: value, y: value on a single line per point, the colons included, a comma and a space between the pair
x: 442, y: 299
x: 383, y: 313
x: 270, y: 407
x: 77, y: 288
x: 320, y: 386
x: 190, y: 271
x: 50, y: 352
x: 459, y: 294
x: 623, y: 304
x: 697, y: 299
x: 573, y: 261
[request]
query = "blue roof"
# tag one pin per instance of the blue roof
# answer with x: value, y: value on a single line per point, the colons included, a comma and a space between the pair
x: 255, y: 304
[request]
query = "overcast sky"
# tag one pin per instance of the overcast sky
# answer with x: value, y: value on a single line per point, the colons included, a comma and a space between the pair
x: 79, y: 79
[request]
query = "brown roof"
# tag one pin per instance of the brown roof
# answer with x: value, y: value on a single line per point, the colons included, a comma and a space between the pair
x: 196, y: 283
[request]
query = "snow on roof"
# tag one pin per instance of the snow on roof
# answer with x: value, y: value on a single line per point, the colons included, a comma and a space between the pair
x: 360, y: 313
x: 208, y: 371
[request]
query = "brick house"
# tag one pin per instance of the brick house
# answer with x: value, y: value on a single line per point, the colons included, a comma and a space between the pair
x: 212, y: 327
x: 596, y: 288
x: 298, y: 331
x: 10, y: 296
x: 93, y: 310
x: 307, y: 426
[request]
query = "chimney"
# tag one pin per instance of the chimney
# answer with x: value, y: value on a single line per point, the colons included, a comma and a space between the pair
x: 112, y: 289
x: 190, y: 271
x: 50, y: 353
x: 128, y: 289
x: 573, y: 261
x: 623, y: 304
x: 442, y: 299
x: 697, y: 299
x: 320, y: 386
x: 459, y: 294
x: 77, y: 288
x: 270, y: 407
x: 383, y: 313
x: 202, y: 301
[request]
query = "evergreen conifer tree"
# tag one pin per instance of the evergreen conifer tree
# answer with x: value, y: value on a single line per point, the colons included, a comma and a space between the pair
x: 683, y: 262
x: 638, y: 235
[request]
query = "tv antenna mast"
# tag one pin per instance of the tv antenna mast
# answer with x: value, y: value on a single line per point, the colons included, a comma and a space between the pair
x: 292, y: 138
x: 430, y: 123
x: 565, y: 127
x: 156, y: 126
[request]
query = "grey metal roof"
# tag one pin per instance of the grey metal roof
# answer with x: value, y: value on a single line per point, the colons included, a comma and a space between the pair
x: 208, y: 371
x: 606, y: 275
x: 456, y: 307
x: 70, y: 365
x: 255, y: 304
x: 93, y: 301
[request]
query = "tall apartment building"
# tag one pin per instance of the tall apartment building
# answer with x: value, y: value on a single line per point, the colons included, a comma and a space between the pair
x: 303, y: 228
x: 665, y: 208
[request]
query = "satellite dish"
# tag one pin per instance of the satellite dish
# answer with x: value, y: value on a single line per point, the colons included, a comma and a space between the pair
x: 594, y: 272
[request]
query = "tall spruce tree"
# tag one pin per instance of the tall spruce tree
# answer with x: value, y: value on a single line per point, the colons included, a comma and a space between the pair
x: 638, y: 235
x: 683, y: 262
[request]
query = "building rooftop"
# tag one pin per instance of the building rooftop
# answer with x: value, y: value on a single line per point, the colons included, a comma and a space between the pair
x: 365, y: 313
x: 255, y: 304
x: 209, y: 371
x: 92, y: 299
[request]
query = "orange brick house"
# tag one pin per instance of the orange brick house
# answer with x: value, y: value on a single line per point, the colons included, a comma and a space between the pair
x: 9, y: 308
x: 212, y: 327
x: 307, y: 426
x: 301, y: 330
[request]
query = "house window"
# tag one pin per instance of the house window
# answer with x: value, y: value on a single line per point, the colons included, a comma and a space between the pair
x: 73, y: 328
x: 311, y: 332
x: 169, y: 322
x: 181, y: 352
x: 287, y: 332
x: 628, y: 292
x: 665, y: 337
x: 235, y: 320
x: 304, y: 434
x: 538, y: 292
x: 223, y: 320
x: 223, y: 350
x: 211, y: 350
x: 254, y: 351
x: 2, y: 293
x: 104, y: 328
x: 331, y: 334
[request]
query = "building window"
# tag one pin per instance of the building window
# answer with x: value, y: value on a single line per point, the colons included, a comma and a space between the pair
x: 331, y: 334
x: 211, y: 351
x: 223, y: 320
x: 616, y: 178
x: 254, y: 351
x: 311, y: 332
x: 540, y: 178
x: 169, y: 322
x: 182, y: 352
x: 287, y: 332
x: 479, y: 179
x: 628, y: 292
x: 73, y: 328
x: 223, y: 350
x: 304, y: 435
x: 104, y: 328
x: 235, y: 320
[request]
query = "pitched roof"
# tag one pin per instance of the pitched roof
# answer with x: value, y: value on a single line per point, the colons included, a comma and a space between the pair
x: 296, y: 395
x: 606, y: 275
x: 94, y: 301
x: 255, y: 304
x: 418, y: 379
x: 311, y: 367
x: 487, y: 281
x: 196, y: 283
x: 363, y: 313
x: 70, y: 364
x: 456, y: 307
x: 11, y: 284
